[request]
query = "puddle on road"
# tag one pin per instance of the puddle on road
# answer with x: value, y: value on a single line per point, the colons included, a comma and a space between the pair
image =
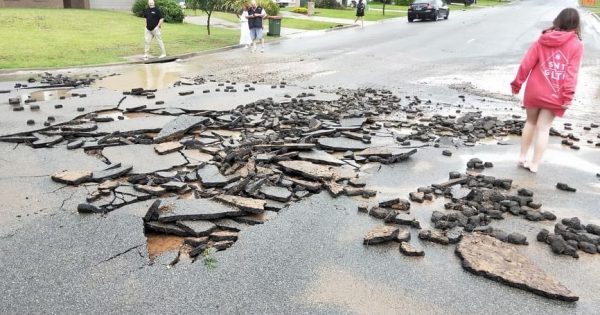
x: 345, y: 289
x: 494, y: 83
x: 48, y: 95
x: 161, y: 243
x: 151, y: 76
x: 553, y: 156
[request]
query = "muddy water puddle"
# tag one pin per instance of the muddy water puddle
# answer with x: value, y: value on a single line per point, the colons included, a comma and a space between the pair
x: 160, y: 243
x: 150, y: 76
x: 494, y: 84
x: 49, y: 95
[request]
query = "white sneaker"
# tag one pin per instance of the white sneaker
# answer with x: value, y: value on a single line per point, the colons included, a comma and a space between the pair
x: 262, y: 50
x: 253, y: 49
x: 246, y: 46
x: 162, y: 56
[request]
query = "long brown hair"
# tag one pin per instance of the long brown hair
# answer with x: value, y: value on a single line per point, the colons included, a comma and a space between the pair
x: 568, y: 21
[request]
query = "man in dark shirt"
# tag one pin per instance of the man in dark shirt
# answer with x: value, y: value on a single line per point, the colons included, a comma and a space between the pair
x: 255, y: 21
x: 154, y: 19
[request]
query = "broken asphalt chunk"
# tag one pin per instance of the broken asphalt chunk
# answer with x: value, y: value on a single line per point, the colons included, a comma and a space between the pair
x: 153, y: 211
x: 152, y: 190
x: 245, y: 204
x: 408, y: 250
x: 165, y: 228
x: 488, y: 257
x: 197, y: 209
x: 210, y: 176
x: 380, y: 235
x: 167, y: 147
x: 111, y: 172
x: 316, y: 171
x: 276, y: 193
x: 178, y: 127
x: 197, y: 228
x: 320, y: 157
x: 45, y: 141
x: 565, y: 187
x: 88, y: 208
x: 72, y: 177
x: 341, y: 144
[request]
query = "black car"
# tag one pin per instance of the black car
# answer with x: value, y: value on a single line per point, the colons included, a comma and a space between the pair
x: 428, y: 10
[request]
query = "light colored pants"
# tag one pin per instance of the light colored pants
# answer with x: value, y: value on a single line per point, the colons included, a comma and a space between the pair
x: 148, y: 37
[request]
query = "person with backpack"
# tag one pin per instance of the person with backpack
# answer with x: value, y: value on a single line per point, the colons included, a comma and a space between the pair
x: 550, y: 68
x: 360, y: 13
x: 256, y: 14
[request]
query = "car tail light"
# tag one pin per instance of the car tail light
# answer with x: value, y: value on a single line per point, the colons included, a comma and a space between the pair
x: 429, y: 6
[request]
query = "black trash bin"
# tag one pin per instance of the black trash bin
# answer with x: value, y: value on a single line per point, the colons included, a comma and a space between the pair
x: 274, y: 26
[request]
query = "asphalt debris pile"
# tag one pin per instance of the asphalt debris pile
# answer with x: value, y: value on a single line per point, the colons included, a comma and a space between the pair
x: 48, y: 79
x: 396, y: 214
x: 468, y: 128
x: 476, y: 200
x: 226, y: 171
x: 571, y: 236
x: 573, y: 141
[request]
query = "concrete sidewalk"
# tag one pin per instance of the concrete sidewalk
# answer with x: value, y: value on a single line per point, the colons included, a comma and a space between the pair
x: 214, y: 21
x: 202, y: 20
x: 320, y: 18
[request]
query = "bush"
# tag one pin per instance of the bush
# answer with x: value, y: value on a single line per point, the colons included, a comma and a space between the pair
x: 300, y: 10
x: 327, y: 4
x: 270, y: 7
x: 402, y: 2
x: 170, y: 9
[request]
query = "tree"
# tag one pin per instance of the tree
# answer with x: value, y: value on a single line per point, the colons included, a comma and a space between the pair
x: 207, y: 6
x: 192, y: 5
x: 384, y: 3
x: 233, y: 6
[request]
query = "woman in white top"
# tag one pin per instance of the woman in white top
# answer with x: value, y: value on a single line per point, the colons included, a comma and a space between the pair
x: 245, y: 38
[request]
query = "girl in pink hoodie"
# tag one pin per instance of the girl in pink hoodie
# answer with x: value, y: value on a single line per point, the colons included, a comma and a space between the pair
x: 550, y: 68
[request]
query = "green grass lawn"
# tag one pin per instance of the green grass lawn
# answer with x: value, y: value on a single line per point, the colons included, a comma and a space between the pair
x: 44, y: 38
x: 230, y: 17
x: 593, y: 8
x: 379, y: 5
x: 480, y: 4
x: 286, y: 22
x: 350, y: 14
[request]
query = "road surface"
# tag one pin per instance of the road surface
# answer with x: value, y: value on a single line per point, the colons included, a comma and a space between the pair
x: 310, y: 258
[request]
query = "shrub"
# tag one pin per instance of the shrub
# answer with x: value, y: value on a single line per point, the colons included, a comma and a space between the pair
x: 170, y: 9
x: 270, y: 7
x: 402, y: 2
x: 327, y: 4
x: 300, y: 10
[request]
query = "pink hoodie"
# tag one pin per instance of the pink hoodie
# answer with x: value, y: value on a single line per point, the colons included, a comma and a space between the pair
x: 551, y: 64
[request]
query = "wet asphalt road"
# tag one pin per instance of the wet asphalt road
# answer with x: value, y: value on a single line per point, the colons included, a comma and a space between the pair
x: 310, y: 258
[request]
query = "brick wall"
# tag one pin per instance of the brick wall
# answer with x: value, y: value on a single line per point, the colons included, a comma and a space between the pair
x: 31, y: 3
x: 111, y: 4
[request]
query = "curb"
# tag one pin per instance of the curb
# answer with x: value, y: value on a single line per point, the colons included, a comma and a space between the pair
x: 341, y: 27
x: 124, y: 63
